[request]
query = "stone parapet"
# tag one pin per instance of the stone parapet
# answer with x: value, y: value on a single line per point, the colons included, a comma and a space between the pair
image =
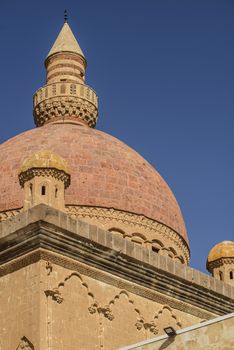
x: 65, y: 101
x: 55, y: 232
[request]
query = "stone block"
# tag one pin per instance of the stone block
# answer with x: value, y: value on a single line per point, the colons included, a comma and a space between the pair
x: 83, y: 229
x: 219, y: 285
x: 71, y: 224
x: 180, y: 270
x: 93, y: 233
x: 154, y: 258
x: 189, y: 274
x: 130, y: 248
x: 171, y: 265
x: 162, y: 262
x: 145, y: 255
x: 101, y: 236
x: 118, y: 243
x: 212, y: 283
x: 204, y: 280
x: 63, y: 220
x: 227, y: 290
x: 138, y: 252
x: 109, y: 239
x: 51, y: 215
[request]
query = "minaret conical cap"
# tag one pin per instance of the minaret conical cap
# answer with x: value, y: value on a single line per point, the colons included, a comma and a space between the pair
x: 66, y: 42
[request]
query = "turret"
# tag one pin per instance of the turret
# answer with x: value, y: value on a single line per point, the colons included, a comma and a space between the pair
x: 44, y: 177
x: 220, y: 261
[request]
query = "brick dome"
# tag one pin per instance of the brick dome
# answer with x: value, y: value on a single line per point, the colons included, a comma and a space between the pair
x: 104, y: 173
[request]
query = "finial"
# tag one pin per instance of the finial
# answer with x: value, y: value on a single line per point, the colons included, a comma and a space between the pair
x: 65, y: 16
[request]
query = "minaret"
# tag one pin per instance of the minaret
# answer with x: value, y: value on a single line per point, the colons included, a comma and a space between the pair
x: 65, y: 97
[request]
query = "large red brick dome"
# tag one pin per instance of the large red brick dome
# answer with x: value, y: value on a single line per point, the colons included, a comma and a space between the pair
x: 104, y: 173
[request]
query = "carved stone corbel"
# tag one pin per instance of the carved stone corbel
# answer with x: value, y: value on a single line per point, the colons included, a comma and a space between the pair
x: 55, y: 295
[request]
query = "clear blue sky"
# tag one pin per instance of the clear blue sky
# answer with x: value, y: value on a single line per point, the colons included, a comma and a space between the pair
x: 164, y: 73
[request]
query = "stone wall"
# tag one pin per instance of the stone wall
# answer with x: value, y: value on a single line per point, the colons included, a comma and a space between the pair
x: 20, y: 307
x: 65, y: 284
x: 217, y: 334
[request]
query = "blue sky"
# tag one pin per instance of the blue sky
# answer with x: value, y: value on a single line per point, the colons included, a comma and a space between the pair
x: 164, y: 74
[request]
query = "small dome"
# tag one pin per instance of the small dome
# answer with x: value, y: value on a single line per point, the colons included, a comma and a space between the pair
x: 223, y: 249
x: 44, y: 159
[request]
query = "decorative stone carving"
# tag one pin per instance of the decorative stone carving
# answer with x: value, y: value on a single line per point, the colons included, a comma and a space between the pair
x: 166, y: 317
x: 44, y: 172
x: 220, y: 262
x: 151, y: 326
x: 133, y: 222
x: 106, y: 311
x: 25, y: 344
x: 55, y: 295
x: 9, y: 214
x: 49, y: 267
x: 78, y: 103
x: 139, y: 324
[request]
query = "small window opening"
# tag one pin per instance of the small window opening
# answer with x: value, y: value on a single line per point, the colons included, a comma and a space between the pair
x: 56, y: 192
x: 43, y: 190
x: 155, y: 249
x: 31, y: 188
x: 231, y: 275
x: 220, y: 275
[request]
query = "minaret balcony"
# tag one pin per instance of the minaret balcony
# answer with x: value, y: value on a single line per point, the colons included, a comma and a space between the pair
x: 65, y: 100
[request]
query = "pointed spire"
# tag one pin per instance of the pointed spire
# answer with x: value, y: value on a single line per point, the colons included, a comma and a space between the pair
x: 66, y: 41
x: 65, y: 16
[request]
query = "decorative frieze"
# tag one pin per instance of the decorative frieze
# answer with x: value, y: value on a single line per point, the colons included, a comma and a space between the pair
x: 133, y: 222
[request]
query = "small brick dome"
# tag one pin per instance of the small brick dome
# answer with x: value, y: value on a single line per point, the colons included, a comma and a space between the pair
x: 104, y: 173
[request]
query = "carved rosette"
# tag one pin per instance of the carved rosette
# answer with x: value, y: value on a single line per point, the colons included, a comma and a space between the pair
x: 65, y: 101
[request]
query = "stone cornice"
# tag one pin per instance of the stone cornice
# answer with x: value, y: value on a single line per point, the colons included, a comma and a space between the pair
x: 219, y: 262
x: 44, y: 172
x: 45, y: 228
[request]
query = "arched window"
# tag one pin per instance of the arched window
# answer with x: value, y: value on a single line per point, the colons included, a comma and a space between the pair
x: 220, y: 275
x: 56, y: 192
x: 116, y: 230
x: 155, y: 249
x: 231, y: 275
x: 173, y: 251
x: 156, y: 245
